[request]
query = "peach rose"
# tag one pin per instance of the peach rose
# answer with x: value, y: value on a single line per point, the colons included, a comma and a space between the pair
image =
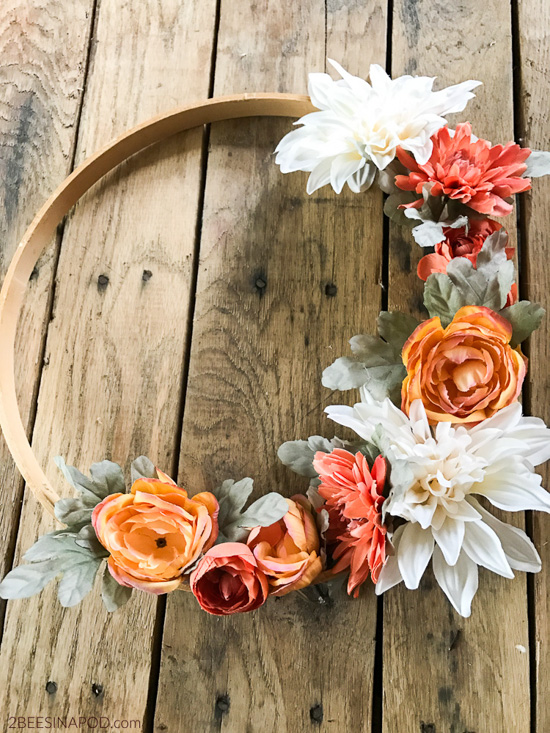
x: 228, y: 580
x: 155, y: 533
x: 463, y: 373
x: 288, y: 550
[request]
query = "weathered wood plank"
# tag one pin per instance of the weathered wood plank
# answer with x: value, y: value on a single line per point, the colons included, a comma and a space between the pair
x: 442, y: 672
x: 43, y: 52
x: 534, y: 78
x: 115, y: 346
x: 284, y: 281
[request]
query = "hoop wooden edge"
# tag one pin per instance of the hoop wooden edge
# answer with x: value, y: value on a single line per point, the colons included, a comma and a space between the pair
x: 43, y: 227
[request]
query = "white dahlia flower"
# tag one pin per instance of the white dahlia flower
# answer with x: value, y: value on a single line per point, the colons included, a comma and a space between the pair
x: 449, y: 465
x: 359, y: 125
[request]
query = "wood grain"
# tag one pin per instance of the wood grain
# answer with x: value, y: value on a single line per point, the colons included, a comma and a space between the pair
x: 284, y: 280
x: 43, y: 52
x: 115, y: 346
x: 442, y: 672
x: 534, y: 65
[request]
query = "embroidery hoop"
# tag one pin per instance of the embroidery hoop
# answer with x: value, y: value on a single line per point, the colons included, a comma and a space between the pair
x: 42, y: 229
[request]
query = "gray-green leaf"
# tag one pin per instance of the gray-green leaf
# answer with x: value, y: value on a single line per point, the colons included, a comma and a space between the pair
x: 106, y: 478
x: 75, y: 511
x: 525, y: 318
x: 377, y: 363
x: 27, y: 580
x: 266, y: 510
x: 113, y: 594
x: 487, y: 284
x: 142, y: 467
x: 77, y: 581
x: 538, y: 164
x: 299, y: 454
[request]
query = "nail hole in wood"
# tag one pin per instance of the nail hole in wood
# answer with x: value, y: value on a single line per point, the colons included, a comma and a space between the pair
x: 316, y: 713
x: 97, y: 689
x: 330, y: 290
x: 147, y: 275
x: 222, y: 705
x: 102, y: 282
x: 260, y: 283
x: 51, y: 687
x: 427, y: 727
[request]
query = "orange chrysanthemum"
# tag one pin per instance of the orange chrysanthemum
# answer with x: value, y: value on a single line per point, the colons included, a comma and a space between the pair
x: 353, y: 499
x: 476, y: 173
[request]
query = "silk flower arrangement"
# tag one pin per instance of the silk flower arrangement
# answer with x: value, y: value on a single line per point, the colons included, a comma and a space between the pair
x: 440, y: 434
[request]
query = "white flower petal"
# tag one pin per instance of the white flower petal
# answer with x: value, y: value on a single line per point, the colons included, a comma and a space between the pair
x: 414, y: 553
x: 512, y: 486
x: 518, y: 548
x: 343, y: 168
x: 320, y: 176
x: 482, y: 545
x: 449, y: 539
x: 459, y: 582
x: 390, y: 574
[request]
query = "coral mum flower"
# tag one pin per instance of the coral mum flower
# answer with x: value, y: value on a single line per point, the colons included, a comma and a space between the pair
x: 228, y: 580
x: 353, y: 499
x: 288, y: 550
x: 476, y: 173
x: 463, y: 373
x: 155, y: 533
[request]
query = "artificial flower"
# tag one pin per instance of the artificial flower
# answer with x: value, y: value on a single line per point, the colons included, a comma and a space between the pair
x: 447, y: 466
x: 464, y: 241
x: 228, y: 580
x: 472, y: 171
x: 353, y: 496
x: 359, y: 126
x: 155, y: 533
x: 465, y: 372
x: 287, y: 552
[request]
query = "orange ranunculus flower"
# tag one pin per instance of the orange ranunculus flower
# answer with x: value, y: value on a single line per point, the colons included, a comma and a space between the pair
x: 155, y: 533
x: 228, y: 580
x: 288, y: 550
x: 463, y: 373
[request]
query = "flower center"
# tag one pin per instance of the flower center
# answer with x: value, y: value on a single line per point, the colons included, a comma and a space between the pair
x: 161, y: 542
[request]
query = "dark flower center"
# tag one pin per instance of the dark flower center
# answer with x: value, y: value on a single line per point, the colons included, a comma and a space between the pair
x: 161, y: 542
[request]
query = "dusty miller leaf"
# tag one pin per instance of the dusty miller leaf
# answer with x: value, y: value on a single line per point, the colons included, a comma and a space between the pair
x: 488, y: 284
x: 113, y: 594
x: 77, y: 580
x: 525, y: 318
x: 27, y: 580
x: 105, y: 478
x: 376, y: 364
x: 538, y: 164
x: 142, y: 467
x: 234, y: 523
x: 298, y: 455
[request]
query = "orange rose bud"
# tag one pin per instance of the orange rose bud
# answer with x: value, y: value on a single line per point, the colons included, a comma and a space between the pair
x: 228, y: 580
x: 288, y: 550
x: 463, y: 373
x: 155, y: 533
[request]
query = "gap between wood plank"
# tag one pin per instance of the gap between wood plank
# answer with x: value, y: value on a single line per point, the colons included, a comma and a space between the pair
x: 523, y: 287
x: 12, y: 543
x: 158, y: 633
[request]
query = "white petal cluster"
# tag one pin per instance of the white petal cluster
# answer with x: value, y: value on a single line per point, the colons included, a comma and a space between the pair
x: 359, y: 125
x: 450, y: 465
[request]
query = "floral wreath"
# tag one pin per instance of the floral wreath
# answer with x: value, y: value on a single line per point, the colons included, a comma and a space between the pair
x: 439, y: 429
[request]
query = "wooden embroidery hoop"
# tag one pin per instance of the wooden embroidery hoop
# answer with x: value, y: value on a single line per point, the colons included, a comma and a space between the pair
x: 43, y: 227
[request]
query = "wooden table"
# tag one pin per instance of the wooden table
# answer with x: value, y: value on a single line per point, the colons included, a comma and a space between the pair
x: 186, y: 310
